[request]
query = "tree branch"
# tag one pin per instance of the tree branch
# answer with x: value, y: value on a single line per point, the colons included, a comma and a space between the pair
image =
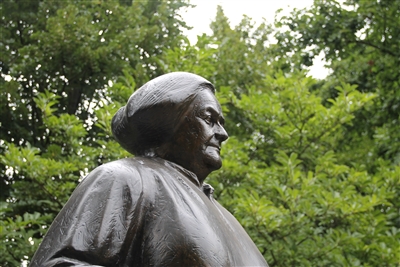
x: 385, y: 50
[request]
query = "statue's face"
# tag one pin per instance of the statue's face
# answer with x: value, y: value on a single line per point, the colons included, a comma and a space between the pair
x: 197, y: 142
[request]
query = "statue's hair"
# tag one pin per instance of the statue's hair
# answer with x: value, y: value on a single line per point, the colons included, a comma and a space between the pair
x: 153, y: 112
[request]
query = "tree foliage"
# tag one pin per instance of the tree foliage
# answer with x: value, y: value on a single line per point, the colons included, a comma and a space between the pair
x: 311, y: 169
x: 360, y: 41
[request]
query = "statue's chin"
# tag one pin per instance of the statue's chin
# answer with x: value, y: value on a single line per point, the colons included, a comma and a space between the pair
x: 212, y: 159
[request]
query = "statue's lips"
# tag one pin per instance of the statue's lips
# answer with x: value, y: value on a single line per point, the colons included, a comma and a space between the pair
x: 214, y: 145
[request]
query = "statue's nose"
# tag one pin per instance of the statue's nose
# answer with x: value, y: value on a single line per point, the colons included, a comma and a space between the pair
x: 220, y: 133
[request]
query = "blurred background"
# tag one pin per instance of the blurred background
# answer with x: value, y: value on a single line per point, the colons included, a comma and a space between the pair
x: 200, y: 17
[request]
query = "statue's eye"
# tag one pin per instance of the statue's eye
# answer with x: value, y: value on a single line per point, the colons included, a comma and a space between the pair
x: 208, y: 119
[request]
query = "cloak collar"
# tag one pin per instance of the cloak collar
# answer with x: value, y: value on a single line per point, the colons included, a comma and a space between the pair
x: 206, y: 188
x: 190, y: 175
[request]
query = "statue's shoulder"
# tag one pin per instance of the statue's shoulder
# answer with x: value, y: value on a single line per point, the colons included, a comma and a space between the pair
x: 137, y: 175
x: 127, y: 170
x: 132, y: 164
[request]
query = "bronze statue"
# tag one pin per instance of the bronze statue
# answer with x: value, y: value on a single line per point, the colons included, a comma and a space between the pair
x: 154, y: 209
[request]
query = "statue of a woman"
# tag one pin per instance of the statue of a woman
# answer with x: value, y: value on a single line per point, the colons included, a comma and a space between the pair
x: 154, y: 209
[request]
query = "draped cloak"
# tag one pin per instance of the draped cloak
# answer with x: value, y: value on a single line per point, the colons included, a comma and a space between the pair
x: 145, y: 212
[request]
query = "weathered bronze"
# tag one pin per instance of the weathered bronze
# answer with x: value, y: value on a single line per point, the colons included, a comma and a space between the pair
x: 154, y: 209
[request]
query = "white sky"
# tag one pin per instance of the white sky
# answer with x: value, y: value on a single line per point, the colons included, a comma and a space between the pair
x: 205, y: 11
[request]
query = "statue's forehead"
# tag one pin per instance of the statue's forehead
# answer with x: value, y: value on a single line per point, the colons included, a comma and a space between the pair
x: 206, y: 100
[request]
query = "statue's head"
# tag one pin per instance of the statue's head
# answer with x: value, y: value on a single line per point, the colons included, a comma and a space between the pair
x: 176, y: 117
